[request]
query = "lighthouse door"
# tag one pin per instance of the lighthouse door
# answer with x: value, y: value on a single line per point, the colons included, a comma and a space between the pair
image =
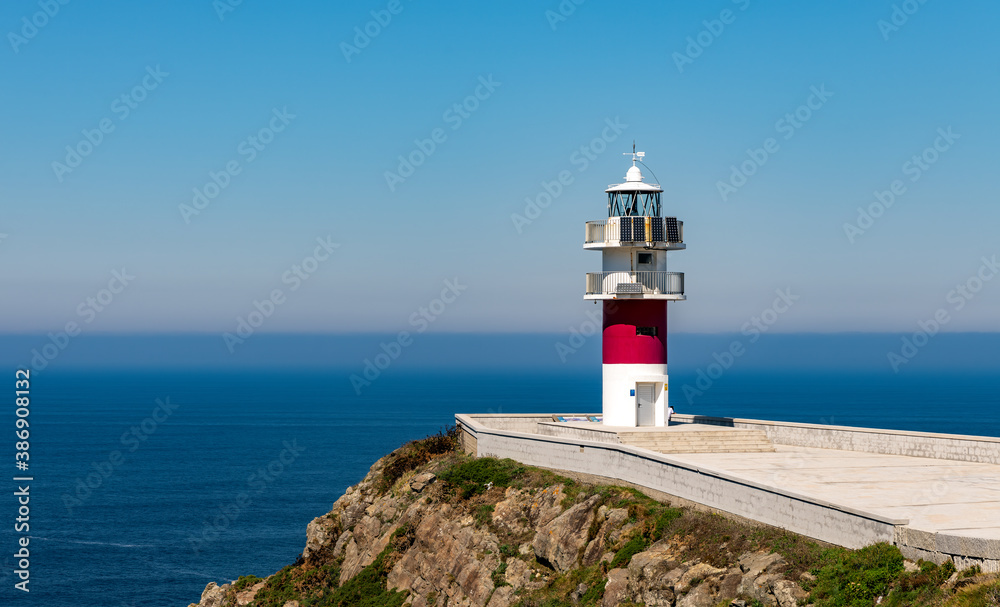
x: 644, y: 399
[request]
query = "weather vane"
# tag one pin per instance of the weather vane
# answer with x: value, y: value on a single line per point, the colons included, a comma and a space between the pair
x: 636, y: 156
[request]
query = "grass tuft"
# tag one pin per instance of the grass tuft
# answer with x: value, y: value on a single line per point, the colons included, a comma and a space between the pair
x: 417, y: 453
x: 631, y: 548
x: 472, y: 476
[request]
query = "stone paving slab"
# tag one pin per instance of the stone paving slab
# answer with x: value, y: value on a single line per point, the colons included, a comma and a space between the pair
x: 939, y: 496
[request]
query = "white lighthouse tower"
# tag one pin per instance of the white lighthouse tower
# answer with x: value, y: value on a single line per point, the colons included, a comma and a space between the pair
x: 635, y: 287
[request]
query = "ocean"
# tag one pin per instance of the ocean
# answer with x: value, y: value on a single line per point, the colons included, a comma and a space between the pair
x: 148, y: 485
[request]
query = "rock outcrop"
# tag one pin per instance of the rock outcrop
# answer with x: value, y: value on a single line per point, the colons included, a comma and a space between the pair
x: 502, y: 545
x: 559, y: 543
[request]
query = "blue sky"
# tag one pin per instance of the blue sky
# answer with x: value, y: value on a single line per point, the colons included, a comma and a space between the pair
x: 555, y: 85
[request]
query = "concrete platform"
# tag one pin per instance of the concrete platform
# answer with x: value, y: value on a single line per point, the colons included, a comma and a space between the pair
x: 937, y: 496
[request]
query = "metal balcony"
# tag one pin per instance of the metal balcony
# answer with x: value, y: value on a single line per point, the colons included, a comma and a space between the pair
x: 635, y: 285
x: 665, y: 233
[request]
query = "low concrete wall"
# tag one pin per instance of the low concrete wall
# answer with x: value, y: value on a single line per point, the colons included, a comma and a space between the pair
x: 980, y: 449
x: 518, y: 422
x: 936, y: 547
x: 469, y: 443
x: 716, y: 489
x: 571, y: 432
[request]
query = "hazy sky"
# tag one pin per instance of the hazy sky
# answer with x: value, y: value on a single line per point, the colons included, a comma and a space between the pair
x: 299, y: 115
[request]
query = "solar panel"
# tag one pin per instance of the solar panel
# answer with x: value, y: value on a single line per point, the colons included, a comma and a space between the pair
x: 657, y: 229
x: 673, y: 232
x: 625, y: 229
x: 628, y: 287
x: 638, y: 228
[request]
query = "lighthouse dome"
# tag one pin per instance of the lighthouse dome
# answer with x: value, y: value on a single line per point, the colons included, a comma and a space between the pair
x: 634, y: 182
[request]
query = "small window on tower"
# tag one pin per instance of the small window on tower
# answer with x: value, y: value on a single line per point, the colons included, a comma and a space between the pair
x: 644, y: 258
x: 650, y: 331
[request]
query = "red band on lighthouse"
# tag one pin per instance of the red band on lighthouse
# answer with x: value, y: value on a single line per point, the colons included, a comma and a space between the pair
x: 635, y: 332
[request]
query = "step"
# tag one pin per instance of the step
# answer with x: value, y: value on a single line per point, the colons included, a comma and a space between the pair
x: 731, y: 444
x: 706, y: 447
x: 713, y: 449
x: 699, y: 441
x: 694, y: 433
x: 690, y: 436
x: 668, y: 439
x: 690, y: 433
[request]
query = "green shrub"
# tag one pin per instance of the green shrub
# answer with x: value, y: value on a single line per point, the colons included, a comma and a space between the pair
x: 418, y: 453
x: 498, y: 575
x: 367, y: 588
x: 631, y: 548
x: 280, y: 589
x: 663, y: 519
x: 857, y: 579
x: 245, y: 581
x: 472, y: 476
x: 483, y: 515
x: 318, y: 587
x: 947, y: 569
x: 594, y: 594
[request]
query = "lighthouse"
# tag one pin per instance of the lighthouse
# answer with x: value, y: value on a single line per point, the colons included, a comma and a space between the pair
x: 634, y: 288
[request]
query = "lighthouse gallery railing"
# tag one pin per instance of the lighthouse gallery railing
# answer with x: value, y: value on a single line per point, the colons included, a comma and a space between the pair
x: 660, y: 229
x: 611, y: 283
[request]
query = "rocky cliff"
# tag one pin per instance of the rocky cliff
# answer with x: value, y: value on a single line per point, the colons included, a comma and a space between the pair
x: 429, y: 526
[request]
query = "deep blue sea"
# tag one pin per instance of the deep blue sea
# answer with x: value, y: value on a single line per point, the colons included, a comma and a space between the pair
x: 223, y: 481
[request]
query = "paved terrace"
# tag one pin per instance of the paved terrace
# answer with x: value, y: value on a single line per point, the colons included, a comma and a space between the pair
x: 942, y: 502
x: 940, y: 496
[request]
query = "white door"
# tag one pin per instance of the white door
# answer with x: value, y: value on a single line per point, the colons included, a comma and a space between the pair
x: 644, y: 399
